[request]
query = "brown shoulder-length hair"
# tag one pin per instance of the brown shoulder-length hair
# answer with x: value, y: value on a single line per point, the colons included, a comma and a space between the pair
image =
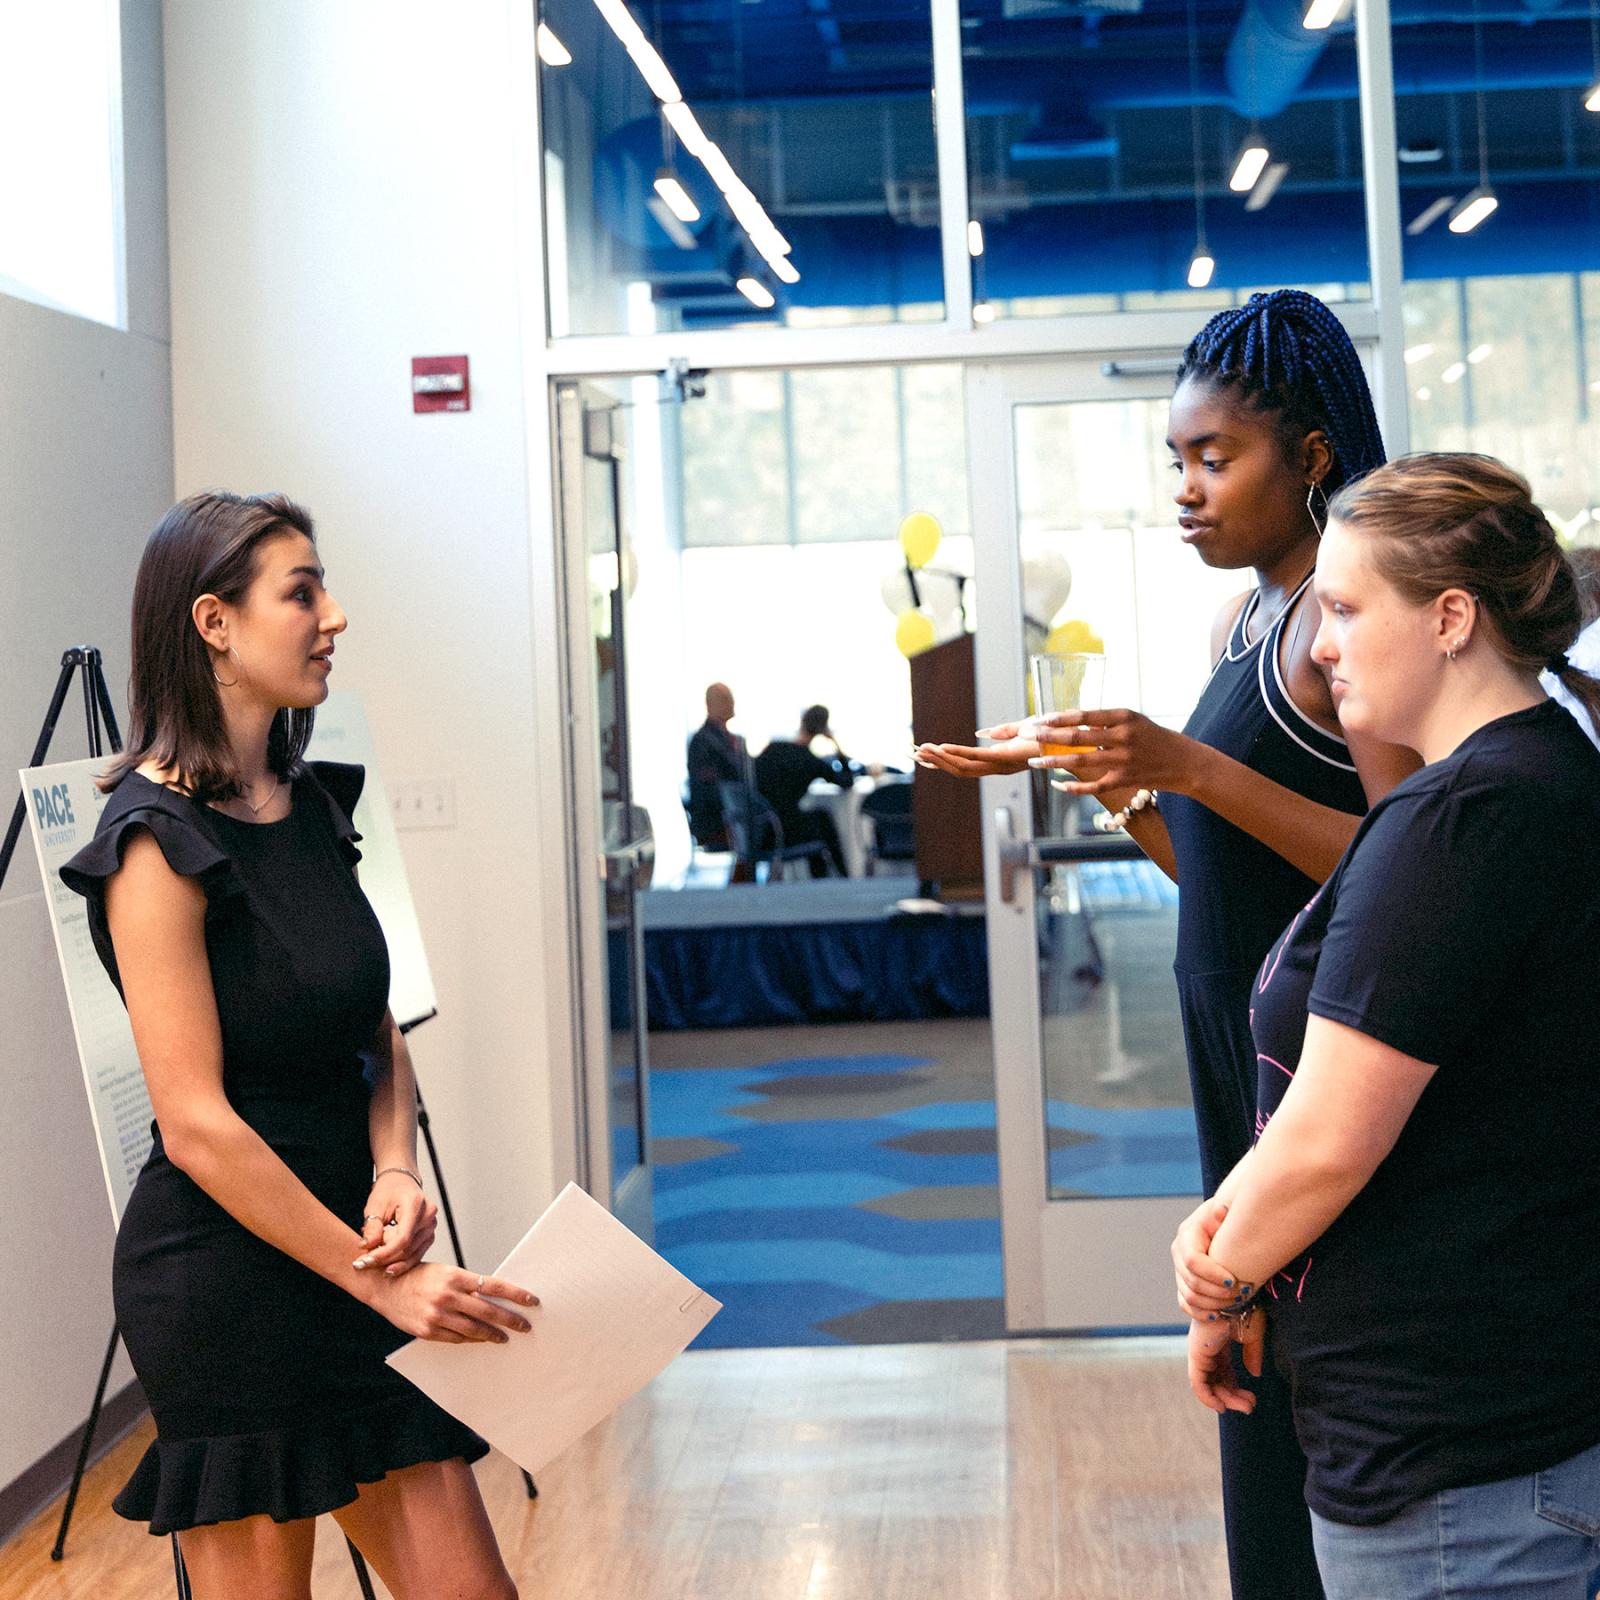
x: 207, y: 544
x: 1435, y: 522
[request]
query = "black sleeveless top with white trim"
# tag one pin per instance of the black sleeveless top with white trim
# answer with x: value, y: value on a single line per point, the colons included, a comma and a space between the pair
x: 1237, y: 894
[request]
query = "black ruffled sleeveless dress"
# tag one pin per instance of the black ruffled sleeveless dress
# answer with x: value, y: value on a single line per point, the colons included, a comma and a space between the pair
x: 266, y: 1381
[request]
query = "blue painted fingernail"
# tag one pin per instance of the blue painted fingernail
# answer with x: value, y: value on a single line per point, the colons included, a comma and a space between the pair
x: 1227, y: 1283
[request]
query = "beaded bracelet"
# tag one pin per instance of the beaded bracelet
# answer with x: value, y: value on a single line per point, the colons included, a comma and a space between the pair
x: 1116, y: 821
x: 407, y: 1170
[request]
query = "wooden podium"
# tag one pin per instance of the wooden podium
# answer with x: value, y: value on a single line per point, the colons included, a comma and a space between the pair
x: 945, y: 811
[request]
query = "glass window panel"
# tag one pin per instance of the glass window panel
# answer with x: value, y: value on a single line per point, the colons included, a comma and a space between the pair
x: 1095, y: 169
x: 823, y: 114
x: 824, y: 455
x: 1501, y: 320
x: 735, y: 461
x: 847, y: 454
x: 61, y: 179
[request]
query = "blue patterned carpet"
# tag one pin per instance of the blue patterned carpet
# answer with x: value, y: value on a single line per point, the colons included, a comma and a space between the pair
x: 853, y: 1199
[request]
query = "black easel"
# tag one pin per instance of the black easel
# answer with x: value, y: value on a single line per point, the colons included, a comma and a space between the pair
x: 98, y: 711
x: 444, y: 1197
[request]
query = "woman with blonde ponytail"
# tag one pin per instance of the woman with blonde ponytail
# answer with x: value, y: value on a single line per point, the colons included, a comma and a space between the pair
x: 1415, y: 1223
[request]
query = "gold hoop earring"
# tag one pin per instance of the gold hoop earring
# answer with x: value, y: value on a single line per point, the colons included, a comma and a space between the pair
x: 1316, y: 489
x: 229, y: 683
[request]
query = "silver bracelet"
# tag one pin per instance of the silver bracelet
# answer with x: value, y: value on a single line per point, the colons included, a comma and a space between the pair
x: 407, y: 1170
x: 1117, y: 821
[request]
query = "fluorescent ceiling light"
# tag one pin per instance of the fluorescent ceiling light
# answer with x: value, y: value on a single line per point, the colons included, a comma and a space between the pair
x: 1324, y: 13
x: 1250, y: 165
x: 1455, y: 372
x: 676, y: 196
x: 786, y: 270
x: 651, y: 67
x: 684, y: 123
x: 1267, y: 185
x: 1429, y: 215
x: 1201, y: 265
x: 1478, y: 205
x: 1424, y: 393
x: 551, y: 50
x: 674, y: 230
x: 1479, y: 353
x: 974, y: 238
x: 757, y: 293
x: 1417, y: 352
x: 983, y: 312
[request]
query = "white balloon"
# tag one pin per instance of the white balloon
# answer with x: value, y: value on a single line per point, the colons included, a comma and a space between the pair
x: 896, y: 592
x: 1046, y: 584
x: 949, y: 626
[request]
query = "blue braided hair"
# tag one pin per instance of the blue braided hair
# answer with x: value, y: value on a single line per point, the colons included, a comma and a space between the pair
x: 1286, y: 353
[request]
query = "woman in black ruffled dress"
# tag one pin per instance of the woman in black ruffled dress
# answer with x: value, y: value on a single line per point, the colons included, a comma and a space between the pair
x: 262, y: 1270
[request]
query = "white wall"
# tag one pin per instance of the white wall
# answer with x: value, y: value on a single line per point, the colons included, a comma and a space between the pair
x: 342, y: 177
x: 85, y: 471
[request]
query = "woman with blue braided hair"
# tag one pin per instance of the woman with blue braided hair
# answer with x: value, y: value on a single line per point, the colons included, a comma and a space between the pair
x: 1258, y: 796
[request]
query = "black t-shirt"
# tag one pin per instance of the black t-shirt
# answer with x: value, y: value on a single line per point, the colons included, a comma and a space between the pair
x: 1445, y: 1330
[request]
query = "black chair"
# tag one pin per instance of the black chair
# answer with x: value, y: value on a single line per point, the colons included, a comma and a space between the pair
x: 755, y: 834
x: 893, y: 838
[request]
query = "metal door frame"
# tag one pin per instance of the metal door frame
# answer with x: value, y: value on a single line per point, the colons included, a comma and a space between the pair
x: 1069, y: 1264
x: 576, y: 406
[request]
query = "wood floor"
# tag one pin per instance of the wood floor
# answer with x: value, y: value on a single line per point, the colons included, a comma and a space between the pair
x: 1008, y: 1471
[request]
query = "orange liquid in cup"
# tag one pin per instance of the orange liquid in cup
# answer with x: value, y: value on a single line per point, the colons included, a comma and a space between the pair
x: 1066, y: 683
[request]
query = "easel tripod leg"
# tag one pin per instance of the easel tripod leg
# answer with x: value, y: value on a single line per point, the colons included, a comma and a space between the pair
x: 180, y: 1573
x: 83, y: 1449
x: 363, y: 1577
x: 450, y: 1224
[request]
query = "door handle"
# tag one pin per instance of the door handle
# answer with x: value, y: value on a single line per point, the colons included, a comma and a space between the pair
x: 1011, y: 852
x: 1023, y: 855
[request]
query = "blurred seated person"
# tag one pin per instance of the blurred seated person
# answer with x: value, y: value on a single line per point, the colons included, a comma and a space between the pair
x: 787, y: 768
x: 716, y: 756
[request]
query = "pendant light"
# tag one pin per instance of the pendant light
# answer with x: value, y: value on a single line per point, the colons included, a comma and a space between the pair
x: 1481, y: 203
x: 1202, y: 264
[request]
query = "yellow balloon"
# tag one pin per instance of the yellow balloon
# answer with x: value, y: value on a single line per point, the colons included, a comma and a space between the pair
x: 913, y: 633
x: 1075, y: 638
x: 919, y: 537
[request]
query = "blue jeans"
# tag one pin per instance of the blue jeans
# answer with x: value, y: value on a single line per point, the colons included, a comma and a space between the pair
x: 1530, y: 1538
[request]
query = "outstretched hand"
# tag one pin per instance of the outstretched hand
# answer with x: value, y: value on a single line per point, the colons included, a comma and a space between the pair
x: 1015, y: 746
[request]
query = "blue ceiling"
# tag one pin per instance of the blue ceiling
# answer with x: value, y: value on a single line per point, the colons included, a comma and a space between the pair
x: 1080, y: 142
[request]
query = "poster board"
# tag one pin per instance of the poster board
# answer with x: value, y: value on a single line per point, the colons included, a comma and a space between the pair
x: 64, y: 807
x: 342, y: 734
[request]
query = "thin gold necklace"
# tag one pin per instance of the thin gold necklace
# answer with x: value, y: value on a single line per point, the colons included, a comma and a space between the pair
x: 256, y: 810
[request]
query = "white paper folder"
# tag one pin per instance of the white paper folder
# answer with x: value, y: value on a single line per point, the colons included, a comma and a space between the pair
x: 612, y: 1314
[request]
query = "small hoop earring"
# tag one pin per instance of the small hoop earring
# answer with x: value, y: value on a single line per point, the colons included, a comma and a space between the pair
x: 1316, y: 489
x: 228, y: 683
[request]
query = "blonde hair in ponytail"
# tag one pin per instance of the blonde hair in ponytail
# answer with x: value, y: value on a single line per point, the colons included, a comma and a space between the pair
x: 1438, y: 522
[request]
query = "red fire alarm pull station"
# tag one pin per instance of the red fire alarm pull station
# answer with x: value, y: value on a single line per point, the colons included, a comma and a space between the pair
x: 440, y: 383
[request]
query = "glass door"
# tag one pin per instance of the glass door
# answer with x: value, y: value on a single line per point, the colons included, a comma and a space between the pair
x: 613, y: 842
x: 1098, y: 1158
